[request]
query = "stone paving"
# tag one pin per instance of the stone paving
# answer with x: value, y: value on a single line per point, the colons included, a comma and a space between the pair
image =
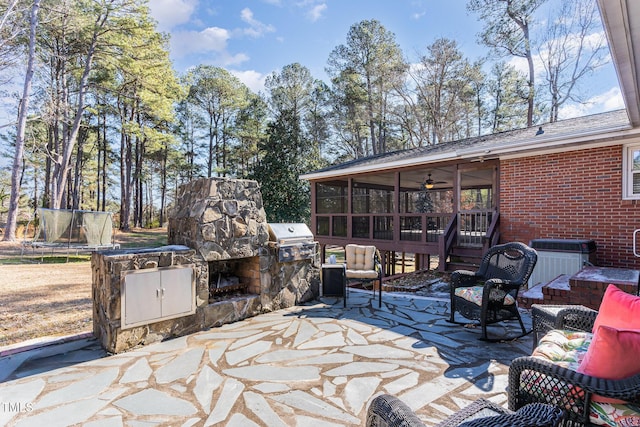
x: 313, y: 365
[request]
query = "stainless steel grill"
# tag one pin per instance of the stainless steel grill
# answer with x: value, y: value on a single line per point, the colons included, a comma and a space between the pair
x: 294, y: 241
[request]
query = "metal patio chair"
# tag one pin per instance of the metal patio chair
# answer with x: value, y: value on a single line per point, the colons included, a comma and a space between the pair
x: 363, y: 265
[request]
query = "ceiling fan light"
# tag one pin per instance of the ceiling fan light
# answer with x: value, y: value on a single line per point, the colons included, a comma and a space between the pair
x: 428, y: 184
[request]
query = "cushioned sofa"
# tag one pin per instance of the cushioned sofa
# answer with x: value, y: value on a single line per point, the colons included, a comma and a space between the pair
x: 590, y: 367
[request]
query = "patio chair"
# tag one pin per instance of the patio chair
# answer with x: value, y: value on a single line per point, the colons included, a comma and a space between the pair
x: 388, y: 411
x: 561, y: 369
x: 363, y: 266
x: 490, y: 294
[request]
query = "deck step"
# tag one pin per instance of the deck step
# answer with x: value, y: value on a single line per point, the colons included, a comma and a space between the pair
x: 464, y: 258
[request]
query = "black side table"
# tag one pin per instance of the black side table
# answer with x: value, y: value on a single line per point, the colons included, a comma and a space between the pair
x: 334, y: 281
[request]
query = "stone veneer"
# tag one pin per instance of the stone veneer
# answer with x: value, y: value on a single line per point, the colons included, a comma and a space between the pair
x: 220, y: 218
x: 240, y: 226
x: 107, y: 270
x: 285, y: 284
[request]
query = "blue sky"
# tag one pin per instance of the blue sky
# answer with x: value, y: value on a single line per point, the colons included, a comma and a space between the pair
x: 253, y: 38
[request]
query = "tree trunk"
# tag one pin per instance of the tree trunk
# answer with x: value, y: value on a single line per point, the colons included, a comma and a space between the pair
x: 77, y: 178
x: 125, y: 181
x: 46, y: 191
x: 372, y: 125
x: 12, y: 214
x: 67, y: 150
x: 163, y: 184
x: 105, y: 152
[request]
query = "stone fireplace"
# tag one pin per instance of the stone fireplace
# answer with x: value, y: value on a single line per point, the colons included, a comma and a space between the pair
x: 219, y: 268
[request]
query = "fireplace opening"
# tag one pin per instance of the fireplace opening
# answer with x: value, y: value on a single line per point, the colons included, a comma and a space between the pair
x: 233, y: 278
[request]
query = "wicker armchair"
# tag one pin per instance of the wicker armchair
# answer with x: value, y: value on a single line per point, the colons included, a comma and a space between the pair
x: 490, y: 294
x: 563, y: 387
x: 389, y: 411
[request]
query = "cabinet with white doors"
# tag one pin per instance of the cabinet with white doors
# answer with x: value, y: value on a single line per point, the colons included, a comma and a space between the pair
x: 156, y: 294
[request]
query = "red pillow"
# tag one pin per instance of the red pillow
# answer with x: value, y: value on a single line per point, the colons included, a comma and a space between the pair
x: 612, y: 354
x: 618, y: 309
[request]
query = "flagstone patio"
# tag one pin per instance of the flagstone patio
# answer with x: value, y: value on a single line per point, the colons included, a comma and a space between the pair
x: 317, y: 364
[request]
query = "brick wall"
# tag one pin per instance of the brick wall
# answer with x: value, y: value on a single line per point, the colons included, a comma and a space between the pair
x: 571, y: 195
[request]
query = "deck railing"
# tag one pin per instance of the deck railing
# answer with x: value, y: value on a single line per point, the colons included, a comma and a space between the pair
x: 473, y: 227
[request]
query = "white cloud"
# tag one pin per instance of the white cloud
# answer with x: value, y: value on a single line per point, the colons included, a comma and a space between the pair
x: 607, y: 101
x: 257, y: 28
x: 316, y: 12
x: 226, y: 59
x: 610, y: 100
x: 521, y: 64
x: 212, y: 39
x: 170, y: 13
x: 253, y: 79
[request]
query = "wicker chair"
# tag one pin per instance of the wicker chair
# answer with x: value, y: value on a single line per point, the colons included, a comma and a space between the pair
x: 490, y: 294
x: 389, y: 411
x: 563, y: 387
x: 363, y: 266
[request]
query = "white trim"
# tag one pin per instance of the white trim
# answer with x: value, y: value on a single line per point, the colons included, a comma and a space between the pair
x: 622, y: 26
x: 627, y: 174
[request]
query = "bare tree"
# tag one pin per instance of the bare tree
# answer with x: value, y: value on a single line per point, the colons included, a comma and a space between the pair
x: 10, y: 29
x: 507, y: 32
x: 574, y: 46
x: 12, y: 215
x: 64, y: 159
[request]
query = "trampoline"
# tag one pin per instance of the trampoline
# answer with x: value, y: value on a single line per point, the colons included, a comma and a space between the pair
x: 72, y: 230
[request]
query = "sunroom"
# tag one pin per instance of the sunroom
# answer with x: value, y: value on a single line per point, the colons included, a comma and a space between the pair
x: 428, y: 214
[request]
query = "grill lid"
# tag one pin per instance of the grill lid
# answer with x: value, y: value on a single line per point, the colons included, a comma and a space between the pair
x: 289, y: 233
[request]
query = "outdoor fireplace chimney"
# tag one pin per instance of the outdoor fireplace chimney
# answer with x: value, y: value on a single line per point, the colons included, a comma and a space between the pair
x: 220, y: 218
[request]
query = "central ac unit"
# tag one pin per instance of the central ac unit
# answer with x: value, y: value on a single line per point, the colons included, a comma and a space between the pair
x: 560, y: 256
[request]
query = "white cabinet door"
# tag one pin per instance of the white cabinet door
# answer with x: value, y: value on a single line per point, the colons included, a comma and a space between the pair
x: 177, y: 295
x: 141, y: 297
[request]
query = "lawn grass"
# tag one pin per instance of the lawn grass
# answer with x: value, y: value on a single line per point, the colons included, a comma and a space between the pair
x: 45, y: 259
x: 136, y: 238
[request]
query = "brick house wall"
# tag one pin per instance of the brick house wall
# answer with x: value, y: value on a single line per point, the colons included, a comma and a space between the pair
x: 570, y: 195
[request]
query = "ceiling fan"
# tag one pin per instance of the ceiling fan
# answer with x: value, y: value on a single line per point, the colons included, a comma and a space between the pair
x: 429, y: 183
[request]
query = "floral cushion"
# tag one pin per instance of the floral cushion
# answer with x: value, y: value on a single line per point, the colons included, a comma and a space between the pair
x: 564, y: 348
x: 474, y: 294
x: 567, y: 349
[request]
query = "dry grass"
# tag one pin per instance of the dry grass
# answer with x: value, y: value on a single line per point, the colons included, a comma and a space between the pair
x: 38, y: 300
x: 42, y: 300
